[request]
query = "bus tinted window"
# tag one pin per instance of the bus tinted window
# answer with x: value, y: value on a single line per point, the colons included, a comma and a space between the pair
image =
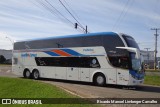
x: 89, y: 62
x: 110, y: 43
x: 71, y: 61
x: 130, y: 42
x: 85, y: 62
x: 85, y: 40
x: 120, y: 61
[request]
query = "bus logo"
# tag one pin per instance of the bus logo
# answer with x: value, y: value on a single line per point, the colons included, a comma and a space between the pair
x: 28, y: 55
x: 88, y: 49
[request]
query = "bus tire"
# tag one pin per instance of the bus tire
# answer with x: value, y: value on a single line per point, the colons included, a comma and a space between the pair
x: 99, y: 79
x: 35, y: 74
x: 27, y: 73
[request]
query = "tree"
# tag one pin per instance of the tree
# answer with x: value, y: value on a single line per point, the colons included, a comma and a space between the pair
x: 2, y: 59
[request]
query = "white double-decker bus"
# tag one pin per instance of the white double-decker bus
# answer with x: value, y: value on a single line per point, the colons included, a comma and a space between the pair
x: 101, y: 58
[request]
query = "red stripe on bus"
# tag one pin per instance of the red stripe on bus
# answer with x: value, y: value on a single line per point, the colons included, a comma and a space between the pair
x: 60, y: 52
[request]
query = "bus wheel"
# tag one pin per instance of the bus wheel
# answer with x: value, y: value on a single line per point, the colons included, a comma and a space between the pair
x: 35, y: 74
x: 27, y: 73
x: 99, y: 80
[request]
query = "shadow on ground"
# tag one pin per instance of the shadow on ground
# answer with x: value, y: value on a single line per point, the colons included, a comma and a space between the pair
x: 143, y: 88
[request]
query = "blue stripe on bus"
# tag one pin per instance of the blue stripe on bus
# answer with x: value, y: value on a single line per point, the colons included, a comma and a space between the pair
x: 74, y: 53
x: 136, y: 75
x: 51, y: 53
x: 69, y: 51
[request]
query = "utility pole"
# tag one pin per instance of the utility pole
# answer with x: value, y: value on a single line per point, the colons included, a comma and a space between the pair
x: 155, y: 53
x: 147, y: 56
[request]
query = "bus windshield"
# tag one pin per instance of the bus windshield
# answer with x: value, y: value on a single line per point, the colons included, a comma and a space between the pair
x: 136, y: 63
x: 130, y: 42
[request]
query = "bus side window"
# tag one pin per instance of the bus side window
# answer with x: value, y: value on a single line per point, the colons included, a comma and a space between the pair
x: 73, y: 62
x: 124, y: 62
x: 94, y: 62
x: 85, y: 62
x: 89, y: 62
x: 121, y: 62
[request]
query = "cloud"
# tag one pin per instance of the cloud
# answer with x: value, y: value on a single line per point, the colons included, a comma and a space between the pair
x: 27, y: 19
x: 6, y: 42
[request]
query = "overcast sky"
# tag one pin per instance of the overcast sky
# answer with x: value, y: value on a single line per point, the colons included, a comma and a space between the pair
x: 27, y: 19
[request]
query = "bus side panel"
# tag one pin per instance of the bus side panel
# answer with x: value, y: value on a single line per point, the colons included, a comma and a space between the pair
x: 29, y: 61
x: 122, y: 76
x: 84, y: 74
x: 73, y: 73
x: 110, y: 74
x: 109, y: 71
x: 47, y: 72
x: 22, y: 61
x: 17, y: 64
x: 61, y: 72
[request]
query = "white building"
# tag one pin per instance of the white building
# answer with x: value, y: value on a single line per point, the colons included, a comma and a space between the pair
x: 148, y: 58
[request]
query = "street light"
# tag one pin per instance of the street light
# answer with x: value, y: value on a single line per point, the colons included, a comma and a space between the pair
x: 12, y: 41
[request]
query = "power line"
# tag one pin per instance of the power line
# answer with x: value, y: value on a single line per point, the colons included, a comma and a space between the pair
x: 49, y: 7
x: 70, y: 13
x: 59, y: 12
x: 123, y: 13
x: 74, y: 17
x: 131, y: 3
x: 73, y: 12
x: 53, y: 12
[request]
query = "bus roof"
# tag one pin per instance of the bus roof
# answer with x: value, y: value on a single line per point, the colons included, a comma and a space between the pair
x: 71, y: 36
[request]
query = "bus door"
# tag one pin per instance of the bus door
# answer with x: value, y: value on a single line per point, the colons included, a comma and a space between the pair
x: 84, y: 74
x: 122, y: 77
x: 123, y: 71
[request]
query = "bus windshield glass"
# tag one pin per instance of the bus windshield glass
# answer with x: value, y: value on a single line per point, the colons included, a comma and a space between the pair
x: 136, y: 63
x: 130, y: 41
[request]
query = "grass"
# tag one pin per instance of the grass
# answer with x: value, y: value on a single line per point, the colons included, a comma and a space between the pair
x: 25, y: 88
x: 152, y: 80
x: 152, y: 70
